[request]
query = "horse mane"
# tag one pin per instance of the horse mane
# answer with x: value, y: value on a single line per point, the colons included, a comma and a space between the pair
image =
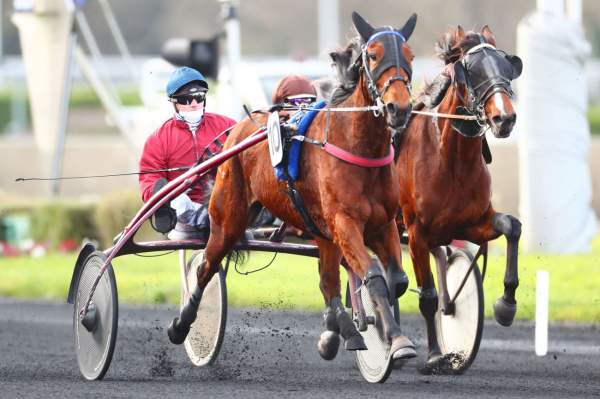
x: 433, y: 93
x: 450, y: 49
x: 348, y: 71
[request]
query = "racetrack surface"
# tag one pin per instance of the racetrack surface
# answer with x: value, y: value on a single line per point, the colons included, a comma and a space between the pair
x: 269, y: 353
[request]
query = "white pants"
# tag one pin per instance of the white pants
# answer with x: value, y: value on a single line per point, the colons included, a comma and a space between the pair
x: 190, y: 213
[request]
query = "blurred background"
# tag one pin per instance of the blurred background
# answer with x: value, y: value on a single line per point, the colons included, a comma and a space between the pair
x: 82, y: 86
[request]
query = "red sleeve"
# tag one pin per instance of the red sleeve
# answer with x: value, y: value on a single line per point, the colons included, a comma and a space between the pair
x: 227, y: 123
x: 153, y: 158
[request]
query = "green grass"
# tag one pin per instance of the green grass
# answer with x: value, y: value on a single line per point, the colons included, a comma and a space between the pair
x: 594, y: 118
x: 292, y: 282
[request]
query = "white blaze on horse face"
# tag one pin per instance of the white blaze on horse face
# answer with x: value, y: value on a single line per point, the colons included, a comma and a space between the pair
x: 498, y: 99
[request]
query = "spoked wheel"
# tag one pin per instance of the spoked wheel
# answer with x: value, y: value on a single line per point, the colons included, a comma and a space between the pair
x: 375, y: 363
x: 204, y: 340
x: 459, y: 334
x: 96, y: 333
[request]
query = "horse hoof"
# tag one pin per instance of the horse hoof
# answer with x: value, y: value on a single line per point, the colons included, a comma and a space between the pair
x: 434, y: 365
x: 355, y: 343
x: 504, y: 312
x: 399, y: 283
x: 328, y: 345
x: 177, y: 333
x: 402, y: 348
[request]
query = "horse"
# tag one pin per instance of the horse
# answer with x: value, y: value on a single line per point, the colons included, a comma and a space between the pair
x: 349, y: 194
x: 445, y: 186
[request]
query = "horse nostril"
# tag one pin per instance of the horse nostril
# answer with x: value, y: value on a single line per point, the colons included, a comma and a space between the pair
x: 510, y: 118
x: 497, y: 120
x: 391, y: 108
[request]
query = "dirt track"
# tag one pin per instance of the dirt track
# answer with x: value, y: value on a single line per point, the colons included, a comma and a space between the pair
x: 273, y: 354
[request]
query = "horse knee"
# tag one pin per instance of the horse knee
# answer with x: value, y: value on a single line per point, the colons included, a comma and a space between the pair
x: 508, y: 225
x: 428, y: 302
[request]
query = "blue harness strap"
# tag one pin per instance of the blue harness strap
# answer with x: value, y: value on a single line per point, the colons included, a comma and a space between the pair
x: 302, y: 119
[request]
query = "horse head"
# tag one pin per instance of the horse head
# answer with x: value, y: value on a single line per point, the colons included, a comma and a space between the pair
x: 484, y: 73
x: 387, y: 67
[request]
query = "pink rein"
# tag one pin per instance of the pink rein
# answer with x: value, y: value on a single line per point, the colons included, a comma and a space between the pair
x: 358, y: 160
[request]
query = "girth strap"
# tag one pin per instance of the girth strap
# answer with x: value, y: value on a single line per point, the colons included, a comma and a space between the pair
x: 301, y: 208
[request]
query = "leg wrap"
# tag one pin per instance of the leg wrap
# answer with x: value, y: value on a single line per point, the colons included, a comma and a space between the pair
x: 375, y: 282
x: 330, y: 319
x: 378, y: 290
x: 343, y: 320
x: 505, y: 307
x: 511, y: 228
x: 398, y: 281
x: 180, y: 326
x: 507, y: 225
x: 428, y: 302
x: 190, y: 310
x: 428, y: 305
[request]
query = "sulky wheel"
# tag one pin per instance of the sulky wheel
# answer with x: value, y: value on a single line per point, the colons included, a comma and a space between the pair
x: 204, y: 340
x: 375, y: 363
x: 96, y: 332
x: 459, y: 334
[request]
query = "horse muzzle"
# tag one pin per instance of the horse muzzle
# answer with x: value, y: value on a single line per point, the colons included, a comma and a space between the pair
x: 397, y: 117
x: 502, y: 125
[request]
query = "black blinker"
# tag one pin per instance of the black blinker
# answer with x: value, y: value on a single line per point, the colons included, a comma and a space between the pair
x: 460, y: 73
x: 517, y: 65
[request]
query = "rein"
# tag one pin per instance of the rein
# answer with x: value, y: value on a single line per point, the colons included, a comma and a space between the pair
x: 448, y: 116
x: 378, y: 108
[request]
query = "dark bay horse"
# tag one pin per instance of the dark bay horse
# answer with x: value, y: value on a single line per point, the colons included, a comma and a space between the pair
x: 353, y: 206
x: 445, y: 186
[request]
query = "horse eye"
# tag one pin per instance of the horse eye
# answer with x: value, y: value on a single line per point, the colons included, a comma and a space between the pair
x: 372, y: 56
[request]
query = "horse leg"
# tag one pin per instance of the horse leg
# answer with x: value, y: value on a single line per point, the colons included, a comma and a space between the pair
x: 335, y: 317
x: 226, y: 228
x: 495, y: 224
x: 350, y: 239
x: 386, y: 244
x: 428, y: 297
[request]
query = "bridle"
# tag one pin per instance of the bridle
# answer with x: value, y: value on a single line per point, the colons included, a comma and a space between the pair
x: 486, y: 74
x: 392, y: 41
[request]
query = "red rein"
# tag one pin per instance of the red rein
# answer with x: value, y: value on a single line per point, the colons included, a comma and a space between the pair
x: 358, y: 160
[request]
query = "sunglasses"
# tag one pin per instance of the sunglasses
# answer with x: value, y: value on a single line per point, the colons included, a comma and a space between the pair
x: 296, y: 102
x: 187, y: 99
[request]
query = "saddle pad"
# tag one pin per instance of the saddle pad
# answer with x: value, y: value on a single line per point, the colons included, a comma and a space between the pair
x: 289, y: 168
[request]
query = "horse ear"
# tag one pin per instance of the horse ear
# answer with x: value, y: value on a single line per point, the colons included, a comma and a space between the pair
x: 488, y: 35
x: 364, y: 29
x: 334, y: 56
x: 460, y: 74
x: 517, y: 65
x: 409, y: 26
x: 459, y: 35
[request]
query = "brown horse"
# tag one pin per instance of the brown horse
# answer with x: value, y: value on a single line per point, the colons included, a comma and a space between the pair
x: 353, y: 207
x: 444, y: 182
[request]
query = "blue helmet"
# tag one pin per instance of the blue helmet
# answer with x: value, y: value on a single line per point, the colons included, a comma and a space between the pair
x: 182, y: 76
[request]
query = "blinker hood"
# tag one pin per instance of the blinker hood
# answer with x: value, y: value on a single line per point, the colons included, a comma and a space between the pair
x: 487, y: 69
x: 393, y: 57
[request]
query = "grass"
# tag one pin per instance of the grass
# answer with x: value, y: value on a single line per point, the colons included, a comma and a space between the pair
x: 594, y: 118
x: 292, y: 282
